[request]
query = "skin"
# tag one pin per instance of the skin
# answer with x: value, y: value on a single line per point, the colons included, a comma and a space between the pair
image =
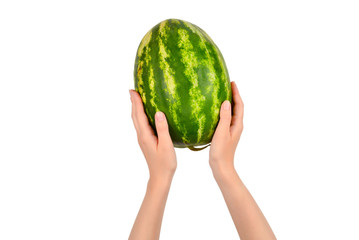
x: 161, y: 160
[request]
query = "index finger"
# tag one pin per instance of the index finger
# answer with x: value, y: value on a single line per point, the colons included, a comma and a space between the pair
x: 139, y: 116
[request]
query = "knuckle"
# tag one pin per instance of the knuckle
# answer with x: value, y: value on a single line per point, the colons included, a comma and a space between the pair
x: 159, y: 126
x: 162, y: 127
x: 241, y: 128
x: 143, y: 140
x: 226, y: 117
x: 133, y: 115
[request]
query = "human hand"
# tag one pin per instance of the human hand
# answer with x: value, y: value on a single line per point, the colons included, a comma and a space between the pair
x: 161, y: 160
x: 158, y: 150
x: 227, y: 135
x: 247, y: 216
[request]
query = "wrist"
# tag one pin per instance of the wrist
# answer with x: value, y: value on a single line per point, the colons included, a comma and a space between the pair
x: 222, y: 165
x: 223, y: 172
x: 155, y: 182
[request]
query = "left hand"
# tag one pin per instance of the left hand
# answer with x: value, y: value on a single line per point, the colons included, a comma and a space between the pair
x: 158, y: 150
x: 227, y: 134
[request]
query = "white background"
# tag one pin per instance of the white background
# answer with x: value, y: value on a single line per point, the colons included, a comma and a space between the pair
x: 70, y: 166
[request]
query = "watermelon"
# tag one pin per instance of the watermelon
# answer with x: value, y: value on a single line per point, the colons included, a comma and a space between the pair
x: 180, y: 71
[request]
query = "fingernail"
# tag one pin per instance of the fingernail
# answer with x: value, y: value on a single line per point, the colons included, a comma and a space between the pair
x: 160, y: 116
x: 130, y: 94
x: 226, y: 105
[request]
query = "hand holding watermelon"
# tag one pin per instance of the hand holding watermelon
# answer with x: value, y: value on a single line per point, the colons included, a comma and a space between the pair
x: 161, y: 160
x: 158, y: 150
x: 227, y: 134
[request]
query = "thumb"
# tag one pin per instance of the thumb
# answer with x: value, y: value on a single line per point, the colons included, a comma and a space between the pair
x: 162, y: 129
x: 225, y: 117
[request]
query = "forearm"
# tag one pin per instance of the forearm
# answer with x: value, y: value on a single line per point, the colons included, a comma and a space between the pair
x: 149, y: 219
x: 247, y: 216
